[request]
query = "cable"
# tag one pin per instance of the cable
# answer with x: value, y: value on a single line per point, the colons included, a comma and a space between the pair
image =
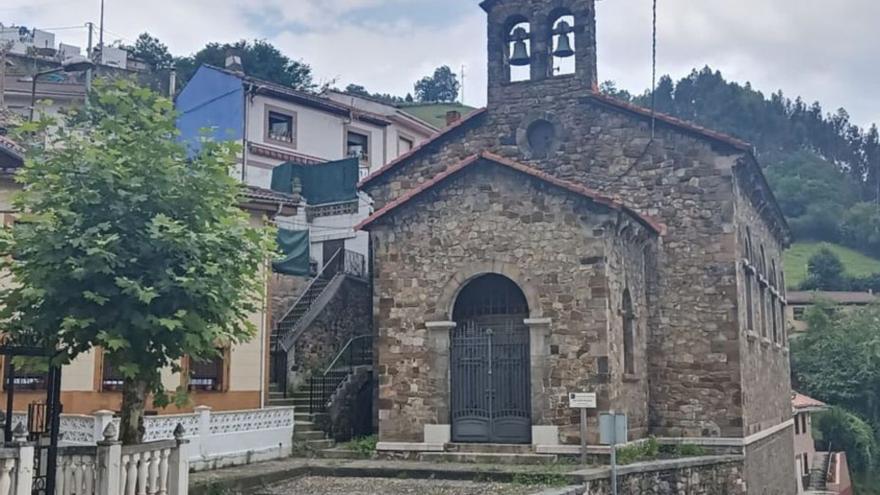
x: 654, y: 76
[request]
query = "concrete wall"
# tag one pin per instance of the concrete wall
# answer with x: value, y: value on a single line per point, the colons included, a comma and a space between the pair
x: 769, y: 464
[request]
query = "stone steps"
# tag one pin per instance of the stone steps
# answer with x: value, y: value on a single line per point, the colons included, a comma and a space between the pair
x: 313, y: 434
x: 489, y: 448
x: 339, y: 453
x: 487, y: 458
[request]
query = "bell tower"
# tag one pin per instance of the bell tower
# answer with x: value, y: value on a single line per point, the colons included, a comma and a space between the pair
x: 546, y: 44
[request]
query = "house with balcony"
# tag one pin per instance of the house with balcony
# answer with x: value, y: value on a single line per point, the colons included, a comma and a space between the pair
x: 278, y: 125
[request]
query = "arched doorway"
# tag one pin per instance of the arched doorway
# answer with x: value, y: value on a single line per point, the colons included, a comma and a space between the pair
x: 490, y: 363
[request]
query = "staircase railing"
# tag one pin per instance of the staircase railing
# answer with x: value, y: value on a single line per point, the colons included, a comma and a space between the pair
x: 357, y: 352
x: 828, y: 464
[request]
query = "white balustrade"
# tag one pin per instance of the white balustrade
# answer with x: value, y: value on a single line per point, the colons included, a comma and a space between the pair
x: 157, y: 468
x: 7, y: 469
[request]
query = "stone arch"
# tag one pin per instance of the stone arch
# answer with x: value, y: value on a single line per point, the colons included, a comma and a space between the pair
x: 450, y: 291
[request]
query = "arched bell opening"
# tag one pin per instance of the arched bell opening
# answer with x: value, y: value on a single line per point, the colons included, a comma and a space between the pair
x: 490, y: 363
x: 519, y: 49
x: 562, y: 41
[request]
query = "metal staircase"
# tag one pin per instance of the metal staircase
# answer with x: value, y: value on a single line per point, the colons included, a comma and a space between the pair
x: 305, y: 309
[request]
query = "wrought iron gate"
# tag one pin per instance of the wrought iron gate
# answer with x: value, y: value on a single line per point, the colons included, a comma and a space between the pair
x: 490, y: 382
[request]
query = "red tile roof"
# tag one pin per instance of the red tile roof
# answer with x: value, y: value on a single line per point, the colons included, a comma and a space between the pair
x: 800, y: 402
x: 406, y: 156
x: 519, y: 167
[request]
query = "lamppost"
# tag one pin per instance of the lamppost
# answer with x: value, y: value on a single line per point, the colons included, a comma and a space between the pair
x: 73, y: 64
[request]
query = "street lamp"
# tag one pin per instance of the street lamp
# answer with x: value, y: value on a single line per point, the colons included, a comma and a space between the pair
x: 77, y: 63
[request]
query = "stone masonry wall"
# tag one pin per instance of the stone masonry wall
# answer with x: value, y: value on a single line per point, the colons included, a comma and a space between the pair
x: 709, y: 478
x: 685, y: 182
x: 765, y: 362
x: 347, y: 315
x: 553, y: 244
x: 283, y: 292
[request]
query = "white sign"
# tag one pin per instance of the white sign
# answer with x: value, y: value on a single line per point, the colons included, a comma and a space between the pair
x: 582, y: 400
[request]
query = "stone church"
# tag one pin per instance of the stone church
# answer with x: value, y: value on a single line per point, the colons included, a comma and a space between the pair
x: 563, y: 241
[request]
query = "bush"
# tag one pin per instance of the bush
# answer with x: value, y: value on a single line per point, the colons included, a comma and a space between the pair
x: 848, y: 432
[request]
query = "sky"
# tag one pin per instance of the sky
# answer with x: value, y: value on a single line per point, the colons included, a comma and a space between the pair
x: 821, y: 50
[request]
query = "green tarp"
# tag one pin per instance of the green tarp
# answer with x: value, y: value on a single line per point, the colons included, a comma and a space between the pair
x: 294, y: 244
x: 331, y: 182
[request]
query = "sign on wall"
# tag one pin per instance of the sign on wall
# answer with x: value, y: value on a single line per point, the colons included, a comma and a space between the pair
x: 586, y: 400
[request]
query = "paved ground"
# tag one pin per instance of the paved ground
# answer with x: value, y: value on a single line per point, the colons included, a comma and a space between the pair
x: 314, y: 485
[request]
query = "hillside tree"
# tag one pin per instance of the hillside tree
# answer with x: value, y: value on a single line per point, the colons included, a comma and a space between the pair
x: 441, y: 87
x: 259, y: 58
x: 128, y: 244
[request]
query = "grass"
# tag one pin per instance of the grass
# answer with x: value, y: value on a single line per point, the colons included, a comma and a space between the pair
x: 435, y: 113
x: 796, y: 258
x: 364, y: 446
x: 543, y: 479
x: 650, y: 450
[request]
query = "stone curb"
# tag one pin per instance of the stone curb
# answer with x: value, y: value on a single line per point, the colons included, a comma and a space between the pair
x: 568, y: 490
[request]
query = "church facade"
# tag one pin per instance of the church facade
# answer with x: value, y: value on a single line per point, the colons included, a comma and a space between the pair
x: 562, y: 241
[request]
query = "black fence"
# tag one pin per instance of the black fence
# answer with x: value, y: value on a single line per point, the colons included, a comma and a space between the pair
x: 357, y: 352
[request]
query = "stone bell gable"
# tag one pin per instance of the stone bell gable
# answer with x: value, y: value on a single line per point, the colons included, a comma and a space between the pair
x: 579, y: 259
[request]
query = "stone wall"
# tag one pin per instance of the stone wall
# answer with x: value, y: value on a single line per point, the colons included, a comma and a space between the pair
x: 557, y: 246
x: 766, y: 398
x: 283, y: 292
x: 345, y: 316
x: 700, y: 476
x: 685, y: 181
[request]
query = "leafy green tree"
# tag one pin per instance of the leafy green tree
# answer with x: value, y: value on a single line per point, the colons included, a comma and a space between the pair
x: 838, y: 359
x: 825, y: 272
x: 443, y: 86
x: 850, y: 433
x: 259, y: 58
x: 128, y: 244
x: 152, y: 51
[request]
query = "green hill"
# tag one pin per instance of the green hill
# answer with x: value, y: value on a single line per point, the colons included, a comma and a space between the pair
x: 435, y: 113
x: 796, y: 258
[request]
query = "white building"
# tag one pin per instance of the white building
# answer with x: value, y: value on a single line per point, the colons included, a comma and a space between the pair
x: 278, y: 125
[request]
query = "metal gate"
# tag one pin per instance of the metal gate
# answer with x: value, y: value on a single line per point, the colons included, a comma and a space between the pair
x: 490, y: 382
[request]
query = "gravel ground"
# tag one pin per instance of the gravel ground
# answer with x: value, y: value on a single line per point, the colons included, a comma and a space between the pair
x: 314, y: 485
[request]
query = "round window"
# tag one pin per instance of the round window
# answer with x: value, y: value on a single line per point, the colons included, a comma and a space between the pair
x: 541, y: 136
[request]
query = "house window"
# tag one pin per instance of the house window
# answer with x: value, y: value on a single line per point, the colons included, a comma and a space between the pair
x: 357, y: 145
x: 207, y: 374
x: 111, y: 378
x: 629, y: 365
x: 797, y: 424
x: 404, y: 145
x: 281, y: 127
x: 799, y: 312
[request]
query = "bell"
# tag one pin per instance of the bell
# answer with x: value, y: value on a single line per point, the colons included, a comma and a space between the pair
x: 563, y: 46
x: 520, y: 55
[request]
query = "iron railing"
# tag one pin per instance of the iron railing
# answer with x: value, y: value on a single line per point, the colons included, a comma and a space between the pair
x: 357, y: 352
x: 342, y: 262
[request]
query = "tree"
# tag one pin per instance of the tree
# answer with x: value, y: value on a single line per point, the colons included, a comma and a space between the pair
x: 128, y: 244
x: 443, y: 86
x: 825, y: 272
x: 260, y: 60
x: 152, y: 51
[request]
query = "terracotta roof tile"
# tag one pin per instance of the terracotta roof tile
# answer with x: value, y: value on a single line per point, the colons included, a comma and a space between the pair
x: 525, y: 169
x: 800, y: 402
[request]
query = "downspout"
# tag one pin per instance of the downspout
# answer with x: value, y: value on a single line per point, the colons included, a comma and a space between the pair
x: 244, y: 137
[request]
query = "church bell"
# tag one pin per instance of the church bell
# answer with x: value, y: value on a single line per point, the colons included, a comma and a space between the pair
x: 563, y: 46
x: 520, y: 55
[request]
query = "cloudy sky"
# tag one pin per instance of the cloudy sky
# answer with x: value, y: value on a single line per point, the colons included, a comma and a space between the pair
x: 823, y: 50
